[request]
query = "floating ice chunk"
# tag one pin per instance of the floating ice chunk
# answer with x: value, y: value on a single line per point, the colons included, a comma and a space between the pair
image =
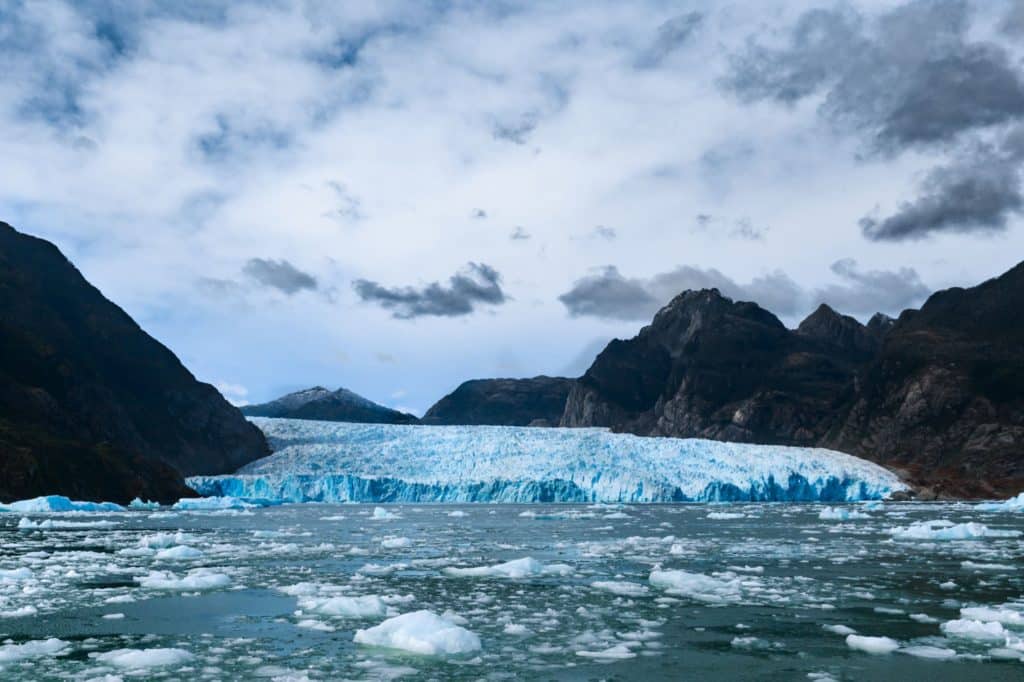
x: 382, y: 514
x: 1005, y: 616
x: 934, y: 652
x: 139, y: 503
x: 457, y: 514
x: 616, y: 653
x: 1014, y: 504
x: 59, y: 524
x: 421, y: 632
x: 220, y: 503
x: 517, y: 568
x: 724, y: 516
x: 872, y: 645
x: 697, y: 586
x: 516, y: 629
x: 623, y: 588
x: 37, y: 648
x: 840, y: 629
x: 20, y: 612
x: 198, y: 579
x: 944, y: 530
x: 395, y: 543
x: 15, y: 575
x: 134, y: 659
x: 923, y: 618
x: 369, y: 606
x: 164, y: 540
x: 966, y: 628
x: 58, y: 503
x: 841, y: 514
x: 974, y: 566
x: 179, y: 553
x: 338, y: 462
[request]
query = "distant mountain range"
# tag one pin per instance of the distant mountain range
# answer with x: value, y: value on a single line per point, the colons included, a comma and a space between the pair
x: 91, y: 406
x: 322, y: 404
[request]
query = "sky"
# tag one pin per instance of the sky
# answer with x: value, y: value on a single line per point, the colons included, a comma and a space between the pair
x: 395, y: 197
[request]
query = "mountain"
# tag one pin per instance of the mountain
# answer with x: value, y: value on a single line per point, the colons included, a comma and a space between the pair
x: 709, y: 367
x: 937, y: 394
x: 334, y: 406
x: 91, y: 406
x: 539, y: 401
x: 943, y: 400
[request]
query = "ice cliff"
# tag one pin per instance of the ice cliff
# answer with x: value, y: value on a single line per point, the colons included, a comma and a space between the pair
x: 340, y: 462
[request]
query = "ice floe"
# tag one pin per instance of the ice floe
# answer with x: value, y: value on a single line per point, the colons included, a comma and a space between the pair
x: 872, y: 645
x: 421, y: 632
x: 518, y: 568
x: 946, y: 530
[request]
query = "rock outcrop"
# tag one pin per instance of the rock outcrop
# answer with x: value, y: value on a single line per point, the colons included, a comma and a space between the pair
x: 539, y: 401
x: 321, y: 404
x: 91, y: 406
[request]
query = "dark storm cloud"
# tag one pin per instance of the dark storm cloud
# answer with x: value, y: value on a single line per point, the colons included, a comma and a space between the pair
x: 974, y: 193
x: 477, y: 284
x: 670, y: 36
x: 608, y: 294
x: 866, y: 292
x: 1013, y: 22
x: 909, y: 78
x: 280, y: 275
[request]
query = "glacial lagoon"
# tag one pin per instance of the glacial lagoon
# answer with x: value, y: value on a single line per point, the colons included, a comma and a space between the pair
x: 759, y: 591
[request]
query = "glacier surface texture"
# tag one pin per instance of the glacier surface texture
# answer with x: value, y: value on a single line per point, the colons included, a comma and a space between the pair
x: 340, y: 462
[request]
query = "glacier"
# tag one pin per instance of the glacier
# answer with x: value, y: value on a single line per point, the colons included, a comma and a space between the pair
x: 343, y: 462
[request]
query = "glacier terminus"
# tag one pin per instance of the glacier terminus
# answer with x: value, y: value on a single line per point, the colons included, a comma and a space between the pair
x: 341, y: 462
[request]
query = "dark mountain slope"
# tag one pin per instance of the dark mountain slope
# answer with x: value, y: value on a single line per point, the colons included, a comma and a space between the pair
x: 90, y: 405
x: 539, y: 401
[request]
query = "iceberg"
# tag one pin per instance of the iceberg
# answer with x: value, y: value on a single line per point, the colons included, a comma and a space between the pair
x: 58, y: 503
x: 217, y: 503
x: 1014, y: 504
x: 342, y: 462
x: 421, y: 632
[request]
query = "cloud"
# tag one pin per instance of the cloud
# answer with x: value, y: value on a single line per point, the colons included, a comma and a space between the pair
x: 234, y: 393
x: 477, y: 284
x: 904, y: 79
x: 867, y: 292
x: 519, y: 234
x: 670, y: 36
x: 280, y: 275
x: 607, y: 294
x: 974, y: 193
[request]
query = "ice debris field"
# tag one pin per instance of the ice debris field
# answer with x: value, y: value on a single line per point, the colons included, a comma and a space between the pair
x: 340, y: 462
x: 225, y: 588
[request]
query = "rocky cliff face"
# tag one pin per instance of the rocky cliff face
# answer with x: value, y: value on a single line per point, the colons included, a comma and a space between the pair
x: 320, y: 404
x: 90, y: 405
x: 708, y: 367
x: 539, y: 401
x: 937, y: 394
x: 943, y: 399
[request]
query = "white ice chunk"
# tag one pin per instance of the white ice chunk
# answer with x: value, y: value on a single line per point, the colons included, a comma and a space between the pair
x: 38, y: 648
x: 421, y: 632
x: 199, y: 579
x: 966, y: 628
x: 697, y: 586
x: 517, y: 568
x: 841, y: 514
x: 134, y: 659
x: 179, y: 553
x: 58, y: 503
x: 369, y: 606
x: 872, y: 645
x: 943, y: 530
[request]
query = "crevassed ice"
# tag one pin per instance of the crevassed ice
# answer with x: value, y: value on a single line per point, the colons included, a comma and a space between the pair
x: 339, y: 462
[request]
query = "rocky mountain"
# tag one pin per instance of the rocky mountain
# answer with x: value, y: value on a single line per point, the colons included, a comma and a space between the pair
x: 943, y: 400
x: 322, y: 404
x: 91, y: 406
x: 937, y: 394
x: 539, y: 401
x: 709, y: 367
